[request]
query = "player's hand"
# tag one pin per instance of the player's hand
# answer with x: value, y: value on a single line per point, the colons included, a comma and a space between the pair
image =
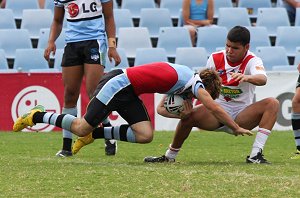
x: 187, y: 109
x: 50, y: 48
x: 113, y: 54
x: 239, y: 77
x: 242, y: 131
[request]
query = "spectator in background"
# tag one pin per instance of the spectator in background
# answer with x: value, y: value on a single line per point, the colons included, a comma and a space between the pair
x: 84, y: 54
x: 290, y: 6
x: 197, y: 13
x: 2, y: 3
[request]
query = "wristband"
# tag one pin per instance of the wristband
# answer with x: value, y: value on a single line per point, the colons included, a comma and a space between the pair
x: 112, y: 42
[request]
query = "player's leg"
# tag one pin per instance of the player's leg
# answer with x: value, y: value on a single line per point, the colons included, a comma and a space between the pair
x: 95, y: 60
x: 201, y: 118
x: 72, y: 73
x: 296, y: 120
x: 262, y: 114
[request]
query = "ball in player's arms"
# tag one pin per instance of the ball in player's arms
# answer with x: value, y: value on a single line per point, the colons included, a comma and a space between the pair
x: 174, y: 104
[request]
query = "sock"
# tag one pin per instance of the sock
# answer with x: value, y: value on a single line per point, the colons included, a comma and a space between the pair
x: 172, y: 153
x: 296, y: 128
x: 63, y: 121
x: 67, y: 135
x: 106, y: 123
x: 122, y: 133
x: 260, y: 141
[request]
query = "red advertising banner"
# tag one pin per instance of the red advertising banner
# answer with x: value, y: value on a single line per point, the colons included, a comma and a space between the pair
x: 22, y: 91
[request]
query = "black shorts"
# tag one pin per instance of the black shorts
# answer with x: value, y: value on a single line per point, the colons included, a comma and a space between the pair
x: 298, y: 82
x: 125, y: 102
x: 78, y: 53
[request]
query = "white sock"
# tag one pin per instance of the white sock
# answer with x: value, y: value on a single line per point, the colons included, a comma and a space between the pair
x: 260, y: 141
x: 297, y: 137
x: 171, y: 153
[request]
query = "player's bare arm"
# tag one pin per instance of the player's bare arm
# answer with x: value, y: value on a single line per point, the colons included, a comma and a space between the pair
x: 258, y: 79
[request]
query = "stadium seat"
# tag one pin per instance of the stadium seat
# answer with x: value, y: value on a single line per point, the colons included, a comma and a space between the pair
x: 171, y: 38
x: 253, y: 5
x: 3, y: 60
x: 124, y: 61
x: 12, y: 39
x: 135, y: 6
x: 7, y: 20
x: 191, y: 56
x: 230, y: 17
x: 123, y: 18
x: 49, y: 4
x: 44, y: 36
x: 27, y: 59
x: 221, y: 4
x: 19, y: 5
x: 149, y: 55
x: 131, y: 38
x: 154, y: 18
x: 297, y: 56
x: 267, y: 17
x: 211, y: 38
x: 173, y: 5
x: 297, y: 19
x: 289, y: 38
x: 34, y: 20
x: 284, y: 68
x: 259, y: 37
x: 272, y: 56
x: 58, y: 58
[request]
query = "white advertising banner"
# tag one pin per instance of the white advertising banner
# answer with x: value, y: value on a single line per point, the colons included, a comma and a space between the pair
x: 280, y: 85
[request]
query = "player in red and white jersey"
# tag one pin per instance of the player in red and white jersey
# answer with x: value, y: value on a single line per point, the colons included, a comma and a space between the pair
x: 241, y: 71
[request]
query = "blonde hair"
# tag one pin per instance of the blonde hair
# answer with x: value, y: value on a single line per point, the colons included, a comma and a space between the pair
x: 212, y: 82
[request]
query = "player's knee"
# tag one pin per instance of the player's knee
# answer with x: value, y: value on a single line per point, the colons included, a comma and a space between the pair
x: 145, y: 137
x: 272, y: 104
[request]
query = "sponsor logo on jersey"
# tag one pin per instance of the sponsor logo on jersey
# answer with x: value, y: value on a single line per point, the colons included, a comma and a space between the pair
x: 73, y: 10
x: 230, y: 94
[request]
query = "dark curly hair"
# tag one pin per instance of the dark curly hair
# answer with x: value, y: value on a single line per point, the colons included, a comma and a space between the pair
x: 212, y: 82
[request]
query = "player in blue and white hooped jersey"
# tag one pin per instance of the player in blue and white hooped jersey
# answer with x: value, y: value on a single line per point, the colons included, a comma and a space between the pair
x: 89, y: 24
x: 119, y: 91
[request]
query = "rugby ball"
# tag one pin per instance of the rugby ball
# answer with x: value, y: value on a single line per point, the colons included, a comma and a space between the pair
x: 174, y: 104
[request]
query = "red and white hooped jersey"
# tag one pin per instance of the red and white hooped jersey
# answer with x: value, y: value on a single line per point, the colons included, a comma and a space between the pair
x: 233, y: 91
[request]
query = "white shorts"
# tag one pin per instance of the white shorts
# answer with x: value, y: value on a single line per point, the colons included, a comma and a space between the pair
x: 233, y: 109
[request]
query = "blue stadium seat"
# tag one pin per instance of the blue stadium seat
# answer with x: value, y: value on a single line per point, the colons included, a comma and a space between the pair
x: 135, y: 6
x: 259, y: 37
x: 27, y: 59
x: 124, y: 61
x: 149, y: 55
x: 284, y: 68
x: 267, y: 17
x: 171, y: 38
x: 297, y: 19
x: 3, y: 60
x: 289, y: 38
x: 297, y: 56
x: 49, y: 4
x: 19, y: 5
x: 272, y: 56
x: 191, y: 56
x: 253, y: 5
x: 211, y: 37
x: 173, y: 5
x: 12, y: 39
x: 44, y: 36
x: 123, y: 18
x: 7, y: 20
x: 221, y: 4
x: 35, y: 19
x: 230, y: 17
x: 154, y: 18
x: 131, y: 38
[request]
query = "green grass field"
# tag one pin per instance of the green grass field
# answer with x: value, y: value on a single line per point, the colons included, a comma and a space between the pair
x: 211, y: 164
